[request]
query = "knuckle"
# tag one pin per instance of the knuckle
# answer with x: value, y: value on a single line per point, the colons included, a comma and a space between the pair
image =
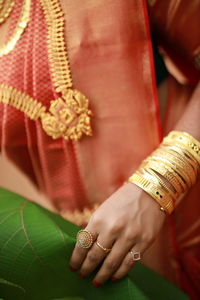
x: 147, y: 237
x: 111, y: 265
x: 95, y: 219
x: 116, y: 227
x: 130, y: 237
x: 128, y: 262
x: 92, y: 257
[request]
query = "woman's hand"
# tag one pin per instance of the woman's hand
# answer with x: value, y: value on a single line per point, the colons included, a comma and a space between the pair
x: 129, y: 220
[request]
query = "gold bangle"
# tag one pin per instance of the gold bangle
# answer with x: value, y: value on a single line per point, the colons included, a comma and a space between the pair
x: 179, y: 172
x: 170, y: 170
x: 179, y: 154
x: 184, y: 167
x: 160, y: 181
x: 184, y: 154
x: 164, y: 200
x: 187, y: 140
x: 166, y: 172
x: 187, y: 152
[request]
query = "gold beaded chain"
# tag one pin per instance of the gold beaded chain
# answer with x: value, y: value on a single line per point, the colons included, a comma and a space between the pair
x: 71, y: 113
x: 19, y: 29
x: 6, y: 7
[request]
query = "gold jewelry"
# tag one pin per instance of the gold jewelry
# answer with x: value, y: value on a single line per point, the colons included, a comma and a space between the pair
x: 35, y: 110
x: 135, y: 255
x: 155, y: 177
x: 84, y: 239
x: 19, y: 29
x: 106, y: 250
x: 157, y: 181
x: 176, y: 169
x: 162, y: 198
x: 185, y: 169
x: 70, y: 114
x: 183, y: 155
x: 6, y: 7
x: 190, y: 167
x: 174, y: 162
x: 187, y: 140
x: 167, y: 172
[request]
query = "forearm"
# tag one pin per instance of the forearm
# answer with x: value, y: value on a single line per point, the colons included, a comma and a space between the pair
x: 171, y: 170
x: 190, y: 120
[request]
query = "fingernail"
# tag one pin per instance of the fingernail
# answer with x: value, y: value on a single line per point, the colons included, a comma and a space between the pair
x: 72, y: 269
x: 96, y: 284
x: 82, y: 275
x: 114, y: 279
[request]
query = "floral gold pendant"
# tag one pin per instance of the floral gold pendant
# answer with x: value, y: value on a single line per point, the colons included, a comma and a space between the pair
x: 68, y: 117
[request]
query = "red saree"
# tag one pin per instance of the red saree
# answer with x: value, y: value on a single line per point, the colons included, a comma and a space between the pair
x: 111, y: 61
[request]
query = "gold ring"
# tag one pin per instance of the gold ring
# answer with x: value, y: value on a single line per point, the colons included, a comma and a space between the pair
x: 84, y: 239
x: 135, y: 255
x: 107, y: 250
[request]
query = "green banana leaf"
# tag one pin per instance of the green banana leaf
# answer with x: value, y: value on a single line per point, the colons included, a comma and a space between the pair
x: 35, y: 248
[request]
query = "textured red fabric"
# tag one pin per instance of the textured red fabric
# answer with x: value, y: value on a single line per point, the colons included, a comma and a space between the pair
x: 111, y: 62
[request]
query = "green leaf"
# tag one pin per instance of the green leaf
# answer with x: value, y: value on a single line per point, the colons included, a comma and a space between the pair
x: 10, y: 284
x: 35, y: 248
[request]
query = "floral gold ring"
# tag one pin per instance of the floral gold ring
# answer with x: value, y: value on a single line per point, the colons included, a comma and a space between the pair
x: 84, y: 239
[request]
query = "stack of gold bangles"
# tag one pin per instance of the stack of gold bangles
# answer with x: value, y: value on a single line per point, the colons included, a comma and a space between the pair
x: 171, y: 170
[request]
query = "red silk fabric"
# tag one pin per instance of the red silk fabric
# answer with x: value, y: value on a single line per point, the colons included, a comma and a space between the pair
x: 111, y: 61
x: 177, y: 28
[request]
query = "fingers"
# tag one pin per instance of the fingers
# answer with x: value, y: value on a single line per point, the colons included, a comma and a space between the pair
x: 79, y: 253
x: 96, y: 255
x: 130, y: 259
x: 113, y: 261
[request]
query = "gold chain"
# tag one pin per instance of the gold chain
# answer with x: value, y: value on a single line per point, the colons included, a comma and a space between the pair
x: 72, y: 109
x: 21, y: 101
x: 5, y: 9
x: 19, y: 29
x: 34, y: 109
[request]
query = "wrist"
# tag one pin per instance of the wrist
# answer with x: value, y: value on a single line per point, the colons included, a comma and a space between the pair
x: 170, y: 171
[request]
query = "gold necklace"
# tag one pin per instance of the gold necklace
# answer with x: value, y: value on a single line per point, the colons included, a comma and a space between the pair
x: 19, y: 29
x: 6, y: 7
x: 69, y: 115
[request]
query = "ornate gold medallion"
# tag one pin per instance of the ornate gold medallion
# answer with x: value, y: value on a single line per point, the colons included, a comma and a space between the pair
x: 68, y: 117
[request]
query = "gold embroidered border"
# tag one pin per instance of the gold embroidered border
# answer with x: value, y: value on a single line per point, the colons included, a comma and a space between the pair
x: 19, y: 29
